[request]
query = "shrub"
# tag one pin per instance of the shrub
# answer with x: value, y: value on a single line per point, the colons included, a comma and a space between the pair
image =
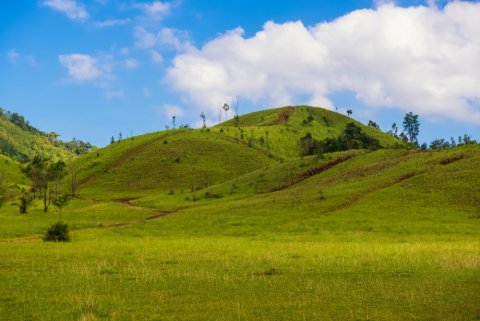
x: 57, y: 232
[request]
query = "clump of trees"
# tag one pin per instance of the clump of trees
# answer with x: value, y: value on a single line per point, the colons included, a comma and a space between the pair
x: 441, y: 144
x: 352, y: 138
x: 46, y: 179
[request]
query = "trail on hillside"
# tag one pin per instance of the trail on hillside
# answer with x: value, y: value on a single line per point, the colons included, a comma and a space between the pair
x: 125, y: 202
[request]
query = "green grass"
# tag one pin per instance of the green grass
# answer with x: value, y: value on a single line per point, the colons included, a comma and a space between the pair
x: 10, y: 170
x: 21, y: 144
x: 358, y: 235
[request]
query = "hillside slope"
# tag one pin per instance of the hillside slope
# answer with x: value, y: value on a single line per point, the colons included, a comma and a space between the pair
x: 166, y: 162
x: 279, y: 130
x: 22, y: 145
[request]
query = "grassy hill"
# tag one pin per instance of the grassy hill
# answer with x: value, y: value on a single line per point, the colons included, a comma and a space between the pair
x: 166, y: 162
x: 185, y: 160
x: 204, y: 225
x: 279, y: 130
x: 23, y: 144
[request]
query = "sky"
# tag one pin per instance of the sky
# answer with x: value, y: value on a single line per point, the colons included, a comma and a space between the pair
x: 91, y: 69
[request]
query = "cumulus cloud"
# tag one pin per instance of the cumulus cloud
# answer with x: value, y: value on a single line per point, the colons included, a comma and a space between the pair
x: 420, y: 59
x: 169, y: 110
x: 155, y: 10
x: 167, y: 38
x: 81, y: 67
x: 73, y: 10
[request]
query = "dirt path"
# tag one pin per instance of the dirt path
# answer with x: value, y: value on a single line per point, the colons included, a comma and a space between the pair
x: 125, y: 202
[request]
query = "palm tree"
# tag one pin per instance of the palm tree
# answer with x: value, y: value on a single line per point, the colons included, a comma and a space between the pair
x: 226, y: 108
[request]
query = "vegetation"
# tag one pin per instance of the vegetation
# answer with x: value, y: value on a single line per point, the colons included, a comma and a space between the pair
x: 213, y: 226
x: 58, y: 232
x: 21, y: 141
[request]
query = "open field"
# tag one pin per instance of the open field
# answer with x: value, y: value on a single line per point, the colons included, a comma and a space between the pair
x: 371, y: 247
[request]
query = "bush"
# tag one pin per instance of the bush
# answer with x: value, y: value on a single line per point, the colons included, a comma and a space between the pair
x: 58, y: 232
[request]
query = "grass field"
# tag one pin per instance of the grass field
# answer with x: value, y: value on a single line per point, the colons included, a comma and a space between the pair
x: 356, y: 235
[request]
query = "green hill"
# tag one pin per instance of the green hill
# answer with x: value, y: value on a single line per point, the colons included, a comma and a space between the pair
x: 188, y: 160
x: 20, y: 141
x: 279, y: 130
x: 167, y: 162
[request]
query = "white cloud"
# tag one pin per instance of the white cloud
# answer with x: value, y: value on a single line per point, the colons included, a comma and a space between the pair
x: 155, y: 10
x: 81, y: 67
x: 169, y: 110
x: 168, y: 38
x: 144, y: 39
x: 73, y: 10
x: 112, y: 23
x: 131, y: 63
x: 13, y: 55
x: 156, y: 57
x: 420, y: 59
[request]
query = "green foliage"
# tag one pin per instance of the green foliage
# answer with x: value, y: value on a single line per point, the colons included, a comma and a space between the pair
x: 58, y: 232
x: 373, y: 124
x: 411, y: 126
x: 21, y: 141
x: 61, y: 201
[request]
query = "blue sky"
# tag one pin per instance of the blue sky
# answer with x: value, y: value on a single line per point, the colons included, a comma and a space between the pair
x: 92, y: 69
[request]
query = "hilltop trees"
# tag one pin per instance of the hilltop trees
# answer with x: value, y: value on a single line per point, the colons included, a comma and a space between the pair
x: 352, y: 138
x: 373, y: 124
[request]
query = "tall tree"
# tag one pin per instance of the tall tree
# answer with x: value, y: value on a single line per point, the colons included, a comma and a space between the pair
x: 411, y: 126
x: 173, y: 121
x: 202, y: 116
x: 226, y: 108
x: 349, y: 112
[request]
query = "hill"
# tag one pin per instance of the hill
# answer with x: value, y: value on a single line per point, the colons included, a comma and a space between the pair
x: 21, y: 141
x: 184, y: 160
x: 279, y: 130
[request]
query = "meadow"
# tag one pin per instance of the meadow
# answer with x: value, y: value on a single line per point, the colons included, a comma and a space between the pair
x: 391, y: 234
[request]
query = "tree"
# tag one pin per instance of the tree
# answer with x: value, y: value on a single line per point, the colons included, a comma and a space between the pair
x: 310, y: 146
x: 226, y: 108
x: 112, y: 140
x: 349, y: 112
x: 173, y: 121
x: 61, y: 201
x: 373, y: 124
x: 202, y: 116
x: 73, y: 169
x: 411, y: 126
x: 46, y: 178
x: 394, y: 131
x: 120, y: 137
x: 25, y: 199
